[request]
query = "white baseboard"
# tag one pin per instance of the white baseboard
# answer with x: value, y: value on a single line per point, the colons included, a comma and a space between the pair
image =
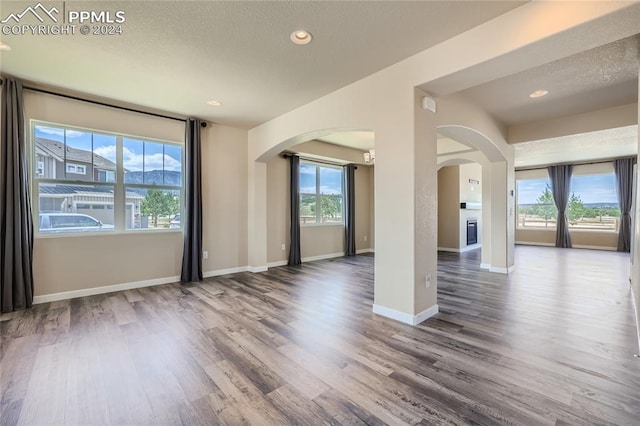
x: 637, y: 315
x: 227, y: 271
x: 579, y: 246
x: 53, y: 297
x: 485, y: 266
x: 498, y: 270
x: 460, y: 250
x: 323, y: 257
x: 367, y: 250
x: 278, y: 263
x: 256, y: 269
x: 404, y: 317
x: 527, y: 243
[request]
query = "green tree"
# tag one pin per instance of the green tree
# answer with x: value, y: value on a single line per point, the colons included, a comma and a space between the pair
x: 545, y: 207
x: 330, y: 207
x: 575, y: 208
x: 158, y: 203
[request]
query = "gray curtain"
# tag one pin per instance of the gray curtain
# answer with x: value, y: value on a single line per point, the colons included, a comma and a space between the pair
x: 294, y: 188
x: 624, y: 184
x: 349, y: 210
x: 561, y: 188
x: 16, y: 221
x: 192, y: 219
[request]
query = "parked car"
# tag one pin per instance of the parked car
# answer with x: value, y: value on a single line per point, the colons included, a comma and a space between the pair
x: 175, y: 222
x: 70, y: 222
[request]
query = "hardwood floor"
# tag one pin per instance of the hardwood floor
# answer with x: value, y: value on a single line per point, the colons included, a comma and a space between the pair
x: 551, y: 344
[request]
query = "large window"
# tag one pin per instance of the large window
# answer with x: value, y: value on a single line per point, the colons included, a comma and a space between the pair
x: 593, y: 203
x: 321, y: 197
x: 89, y: 181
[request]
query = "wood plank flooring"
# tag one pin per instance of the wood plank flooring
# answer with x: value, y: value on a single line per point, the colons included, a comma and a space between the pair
x: 551, y: 344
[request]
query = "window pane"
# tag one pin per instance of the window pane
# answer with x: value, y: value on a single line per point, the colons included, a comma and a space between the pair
x: 153, y: 163
x: 152, y: 208
x: 593, y: 203
x: 307, y: 208
x: 330, y: 181
x: 75, y: 208
x: 307, y: 178
x: 78, y: 155
x: 133, y: 160
x: 172, y: 165
x: 536, y: 208
x: 104, y: 158
x: 331, y: 209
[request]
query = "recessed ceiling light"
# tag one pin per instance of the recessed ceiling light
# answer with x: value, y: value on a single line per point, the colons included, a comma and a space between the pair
x: 539, y: 93
x: 214, y: 103
x: 4, y: 46
x: 301, y: 37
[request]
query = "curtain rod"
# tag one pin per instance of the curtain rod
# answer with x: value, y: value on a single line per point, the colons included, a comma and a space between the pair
x: 77, y: 98
x: 584, y: 163
x: 287, y: 154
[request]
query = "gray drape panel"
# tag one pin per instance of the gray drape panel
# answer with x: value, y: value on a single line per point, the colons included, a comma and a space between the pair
x: 349, y: 210
x: 561, y: 188
x: 16, y: 222
x: 192, y: 219
x: 294, y: 188
x: 624, y: 184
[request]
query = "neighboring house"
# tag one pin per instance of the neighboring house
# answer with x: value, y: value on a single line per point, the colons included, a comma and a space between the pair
x: 51, y: 158
x: 81, y: 165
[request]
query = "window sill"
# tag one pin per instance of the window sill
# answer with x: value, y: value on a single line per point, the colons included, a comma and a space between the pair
x: 316, y: 225
x: 571, y: 230
x: 53, y: 235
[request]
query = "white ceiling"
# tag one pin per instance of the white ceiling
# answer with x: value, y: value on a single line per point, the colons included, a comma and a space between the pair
x: 362, y: 140
x: 174, y: 56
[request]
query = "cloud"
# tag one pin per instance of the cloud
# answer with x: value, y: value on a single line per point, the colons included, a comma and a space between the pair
x: 135, y: 162
x: 59, y: 132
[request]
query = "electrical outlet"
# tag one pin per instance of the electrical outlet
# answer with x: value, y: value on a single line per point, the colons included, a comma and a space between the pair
x: 365, y: 238
x: 205, y: 254
x: 284, y: 246
x: 427, y: 280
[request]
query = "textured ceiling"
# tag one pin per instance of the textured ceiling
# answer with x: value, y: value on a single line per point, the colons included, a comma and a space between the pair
x: 174, y: 56
x: 599, y: 78
x: 604, y: 144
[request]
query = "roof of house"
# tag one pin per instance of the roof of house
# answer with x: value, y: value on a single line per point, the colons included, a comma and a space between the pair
x: 57, y: 150
x: 61, y: 189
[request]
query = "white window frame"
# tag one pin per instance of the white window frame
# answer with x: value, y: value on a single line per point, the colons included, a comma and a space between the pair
x: 76, y: 169
x: 319, y: 195
x: 119, y: 203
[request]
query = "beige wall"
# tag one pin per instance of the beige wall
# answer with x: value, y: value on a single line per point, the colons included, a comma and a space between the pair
x: 449, y: 207
x: 71, y: 263
x: 315, y: 240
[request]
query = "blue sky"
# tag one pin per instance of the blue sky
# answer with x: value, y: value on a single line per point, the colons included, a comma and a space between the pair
x: 138, y: 154
x: 598, y: 188
x: 330, y: 179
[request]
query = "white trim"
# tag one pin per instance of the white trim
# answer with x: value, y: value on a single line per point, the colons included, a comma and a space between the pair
x: 578, y: 246
x: 367, y: 250
x: 323, y: 257
x: 485, y: 266
x: 637, y: 315
x: 512, y: 269
x: 256, y: 269
x: 404, y: 317
x: 527, y: 243
x: 53, y: 297
x: 460, y: 250
x: 278, y: 263
x: 219, y: 272
x: 450, y: 250
x: 498, y: 270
